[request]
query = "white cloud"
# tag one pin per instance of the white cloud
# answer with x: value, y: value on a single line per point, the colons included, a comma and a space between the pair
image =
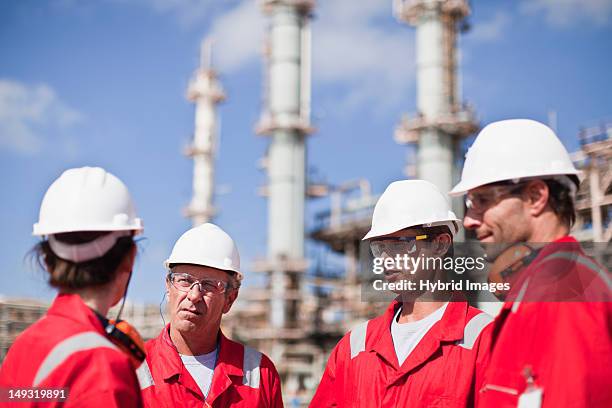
x: 28, y: 113
x: 238, y: 36
x: 563, y: 13
x: 349, y: 48
x: 490, y: 30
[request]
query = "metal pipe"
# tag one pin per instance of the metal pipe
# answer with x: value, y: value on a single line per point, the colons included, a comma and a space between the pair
x: 206, y: 92
x: 435, y: 152
x: 441, y: 122
x: 287, y: 120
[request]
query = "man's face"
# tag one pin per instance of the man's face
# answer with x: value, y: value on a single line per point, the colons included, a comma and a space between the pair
x: 195, y: 310
x: 497, y: 215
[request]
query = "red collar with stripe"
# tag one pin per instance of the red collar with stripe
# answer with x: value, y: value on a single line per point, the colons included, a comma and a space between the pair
x: 229, y: 363
x: 524, y: 281
x: 449, y: 328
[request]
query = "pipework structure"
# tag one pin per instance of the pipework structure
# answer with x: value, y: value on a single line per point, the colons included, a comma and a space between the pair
x: 594, y: 197
x: 286, y: 119
x: 206, y: 92
x: 442, y: 121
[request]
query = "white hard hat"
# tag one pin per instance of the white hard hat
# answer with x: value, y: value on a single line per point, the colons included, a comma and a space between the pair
x: 409, y: 203
x: 86, y: 199
x: 206, y: 245
x: 512, y: 150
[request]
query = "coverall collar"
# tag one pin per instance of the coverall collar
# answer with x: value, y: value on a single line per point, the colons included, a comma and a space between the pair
x: 71, y: 306
x: 524, y: 278
x: 229, y: 363
x: 449, y: 329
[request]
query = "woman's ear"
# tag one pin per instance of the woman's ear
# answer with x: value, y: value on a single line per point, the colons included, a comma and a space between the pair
x: 127, y: 263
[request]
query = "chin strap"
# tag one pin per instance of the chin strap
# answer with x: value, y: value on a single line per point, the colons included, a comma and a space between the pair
x: 123, y: 334
x: 509, y: 262
x: 127, y: 285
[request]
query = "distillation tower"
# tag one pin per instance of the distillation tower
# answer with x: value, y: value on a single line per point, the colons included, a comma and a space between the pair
x: 286, y: 119
x: 206, y: 92
x: 442, y: 121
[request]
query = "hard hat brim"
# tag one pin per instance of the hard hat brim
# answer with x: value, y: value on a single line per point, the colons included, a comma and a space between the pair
x: 374, y: 233
x: 463, y: 187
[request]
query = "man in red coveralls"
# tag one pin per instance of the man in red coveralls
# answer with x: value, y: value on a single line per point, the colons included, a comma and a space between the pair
x: 551, y: 344
x: 191, y: 363
x: 427, y: 349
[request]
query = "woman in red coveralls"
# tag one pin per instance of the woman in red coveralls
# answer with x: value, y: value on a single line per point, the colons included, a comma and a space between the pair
x: 87, y: 221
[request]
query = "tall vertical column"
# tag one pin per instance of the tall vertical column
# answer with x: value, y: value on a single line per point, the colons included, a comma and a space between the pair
x: 435, y: 152
x: 286, y: 119
x: 442, y: 121
x: 206, y: 92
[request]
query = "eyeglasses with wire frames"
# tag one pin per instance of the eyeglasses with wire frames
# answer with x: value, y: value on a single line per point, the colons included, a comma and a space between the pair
x: 480, y: 201
x: 184, y: 282
x: 393, y: 246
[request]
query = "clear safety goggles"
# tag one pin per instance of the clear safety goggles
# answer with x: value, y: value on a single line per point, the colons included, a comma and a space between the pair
x: 395, y: 246
x: 184, y: 282
x: 481, y: 200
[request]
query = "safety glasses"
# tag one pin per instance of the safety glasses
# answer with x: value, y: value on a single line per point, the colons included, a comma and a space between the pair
x: 395, y: 246
x: 481, y: 200
x: 184, y: 282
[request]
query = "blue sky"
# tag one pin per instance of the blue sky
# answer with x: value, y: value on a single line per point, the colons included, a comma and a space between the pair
x: 103, y: 83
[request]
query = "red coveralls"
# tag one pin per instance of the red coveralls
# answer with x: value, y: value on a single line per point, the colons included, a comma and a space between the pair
x: 67, y: 348
x: 566, y: 347
x: 243, y: 377
x: 442, y: 371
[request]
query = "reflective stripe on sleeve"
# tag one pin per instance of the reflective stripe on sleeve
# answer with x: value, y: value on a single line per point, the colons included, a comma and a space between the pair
x: 66, y: 348
x: 250, y: 367
x: 145, y: 379
x: 519, y: 298
x: 584, y: 261
x: 358, y: 339
x: 473, y: 329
